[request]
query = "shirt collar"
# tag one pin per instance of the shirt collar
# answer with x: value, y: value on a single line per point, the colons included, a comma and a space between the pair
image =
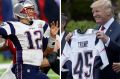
x: 107, y: 25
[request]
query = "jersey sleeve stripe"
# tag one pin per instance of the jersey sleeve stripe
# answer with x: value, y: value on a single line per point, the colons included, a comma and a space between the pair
x: 12, y: 28
x: 45, y: 27
x: 19, y: 55
x: 3, y: 33
x: 16, y: 42
x: 45, y: 42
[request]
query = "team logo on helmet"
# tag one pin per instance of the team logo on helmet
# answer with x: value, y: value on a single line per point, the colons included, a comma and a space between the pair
x: 25, y: 10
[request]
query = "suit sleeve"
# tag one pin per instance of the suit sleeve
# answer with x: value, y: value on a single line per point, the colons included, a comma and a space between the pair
x: 114, y: 45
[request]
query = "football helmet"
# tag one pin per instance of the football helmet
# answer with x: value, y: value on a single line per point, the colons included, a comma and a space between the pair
x: 25, y: 10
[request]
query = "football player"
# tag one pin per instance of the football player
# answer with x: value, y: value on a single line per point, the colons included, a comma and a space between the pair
x: 27, y: 37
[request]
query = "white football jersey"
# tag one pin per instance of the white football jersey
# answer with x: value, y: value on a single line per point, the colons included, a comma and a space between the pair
x: 27, y: 40
x: 8, y: 74
x: 82, y: 52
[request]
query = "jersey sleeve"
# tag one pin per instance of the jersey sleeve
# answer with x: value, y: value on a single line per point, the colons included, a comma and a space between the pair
x: 3, y: 33
x: 102, y: 53
x: 65, y: 53
x: 6, y: 29
x: 46, y: 30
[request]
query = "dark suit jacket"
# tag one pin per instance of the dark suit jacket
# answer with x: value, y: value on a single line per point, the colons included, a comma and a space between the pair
x: 113, y: 51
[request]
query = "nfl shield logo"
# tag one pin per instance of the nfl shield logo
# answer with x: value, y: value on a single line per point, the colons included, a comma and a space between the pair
x: 40, y: 26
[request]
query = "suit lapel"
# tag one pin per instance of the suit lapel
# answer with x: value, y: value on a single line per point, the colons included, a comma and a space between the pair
x: 111, y: 29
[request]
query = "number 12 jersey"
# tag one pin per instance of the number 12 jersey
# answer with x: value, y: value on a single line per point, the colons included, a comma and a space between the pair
x: 27, y: 40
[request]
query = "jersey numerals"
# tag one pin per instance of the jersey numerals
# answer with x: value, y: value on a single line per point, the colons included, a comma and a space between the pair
x: 37, y: 40
x: 80, y: 63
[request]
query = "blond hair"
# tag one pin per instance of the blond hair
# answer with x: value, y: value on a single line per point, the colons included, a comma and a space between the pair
x: 106, y: 4
x: 98, y: 3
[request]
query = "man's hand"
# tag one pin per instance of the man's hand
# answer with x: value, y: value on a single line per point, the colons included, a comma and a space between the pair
x: 54, y: 29
x: 51, y: 42
x: 102, y: 36
x: 68, y: 37
x: 116, y: 67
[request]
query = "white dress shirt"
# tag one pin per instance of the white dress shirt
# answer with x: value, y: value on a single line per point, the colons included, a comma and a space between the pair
x: 107, y: 25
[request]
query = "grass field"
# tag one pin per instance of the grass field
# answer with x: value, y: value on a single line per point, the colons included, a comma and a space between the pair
x: 51, y: 74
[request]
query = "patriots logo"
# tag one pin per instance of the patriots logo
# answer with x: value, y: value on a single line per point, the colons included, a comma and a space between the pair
x: 40, y: 26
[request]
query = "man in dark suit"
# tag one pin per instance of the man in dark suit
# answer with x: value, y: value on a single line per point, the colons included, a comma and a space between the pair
x: 68, y: 64
x: 109, y: 33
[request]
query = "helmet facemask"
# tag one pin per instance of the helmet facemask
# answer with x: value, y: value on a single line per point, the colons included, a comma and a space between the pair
x: 29, y: 12
x: 25, y: 10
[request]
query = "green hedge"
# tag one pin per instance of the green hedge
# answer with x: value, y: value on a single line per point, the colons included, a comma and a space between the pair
x: 83, y: 25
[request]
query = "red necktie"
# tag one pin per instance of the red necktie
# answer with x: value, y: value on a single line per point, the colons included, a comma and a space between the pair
x: 102, y: 28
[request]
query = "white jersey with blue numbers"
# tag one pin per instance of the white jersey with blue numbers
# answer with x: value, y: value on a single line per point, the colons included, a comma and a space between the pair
x: 27, y: 40
x: 82, y: 51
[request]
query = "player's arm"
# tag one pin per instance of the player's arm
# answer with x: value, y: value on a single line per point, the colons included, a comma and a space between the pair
x: 4, y: 48
x: 3, y: 36
x: 51, y: 58
x: 3, y: 45
x: 51, y: 41
x: 47, y: 61
x: 3, y: 33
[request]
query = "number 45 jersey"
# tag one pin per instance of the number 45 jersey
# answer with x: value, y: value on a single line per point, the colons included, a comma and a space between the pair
x: 85, y: 53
